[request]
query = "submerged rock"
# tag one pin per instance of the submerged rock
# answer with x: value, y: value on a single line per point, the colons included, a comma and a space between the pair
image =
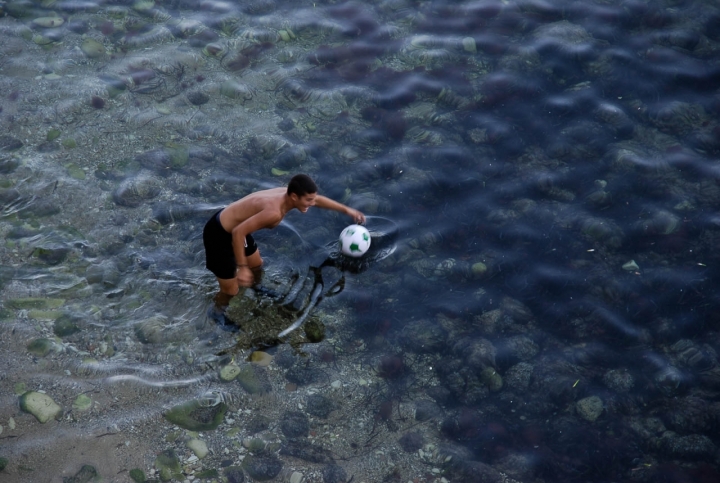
x: 65, y: 325
x: 249, y: 380
x: 334, y: 474
x: 411, y: 441
x: 199, y: 447
x: 9, y: 143
x: 691, y: 447
x: 234, y: 474
x: 589, y: 408
x: 8, y: 165
x: 294, y: 424
x: 168, y: 466
x: 133, y: 192
x: 82, y: 403
x: 86, y: 474
x: 262, y: 467
x: 40, y: 405
x: 41, y: 347
x: 137, y: 475
x: 319, y: 405
x: 300, y: 448
x: 424, y: 336
x: 196, y: 416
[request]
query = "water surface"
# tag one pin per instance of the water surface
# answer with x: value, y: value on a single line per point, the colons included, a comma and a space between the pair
x: 548, y: 314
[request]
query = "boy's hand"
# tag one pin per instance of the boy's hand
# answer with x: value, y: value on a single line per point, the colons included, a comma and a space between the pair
x: 244, y: 276
x: 357, y: 216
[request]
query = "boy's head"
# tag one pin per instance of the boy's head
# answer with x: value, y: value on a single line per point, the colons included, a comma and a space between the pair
x: 301, y: 185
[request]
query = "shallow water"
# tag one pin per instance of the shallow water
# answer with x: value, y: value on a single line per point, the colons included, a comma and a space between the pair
x: 548, y: 312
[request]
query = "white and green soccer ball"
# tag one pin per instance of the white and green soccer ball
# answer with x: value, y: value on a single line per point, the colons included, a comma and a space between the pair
x: 355, y: 240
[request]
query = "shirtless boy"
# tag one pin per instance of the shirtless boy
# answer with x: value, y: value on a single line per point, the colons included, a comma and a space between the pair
x: 230, y: 251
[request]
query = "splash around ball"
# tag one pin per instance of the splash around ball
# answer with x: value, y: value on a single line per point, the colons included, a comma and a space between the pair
x: 355, y: 241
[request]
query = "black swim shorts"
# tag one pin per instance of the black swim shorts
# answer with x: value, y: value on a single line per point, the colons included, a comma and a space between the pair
x: 219, y: 254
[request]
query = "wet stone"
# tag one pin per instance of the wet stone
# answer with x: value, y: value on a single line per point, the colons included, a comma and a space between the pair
x: 300, y: 448
x: 691, y: 447
x: 520, y: 347
x: 199, y: 447
x: 40, y: 347
x: 478, y: 353
x: 196, y: 416
x: 82, y: 403
x: 314, y: 331
x: 41, y: 209
x: 519, y: 375
x: 156, y: 160
x: 257, y: 424
x: 51, y: 254
x: 411, y: 441
x: 8, y: 165
x: 198, y: 98
x: 168, y: 466
x: 9, y: 143
x: 619, y: 381
x: 285, y: 357
x: 105, y: 272
x: 319, y: 406
x: 590, y: 408
x: 151, y: 330
x: 135, y: 191
x: 66, y: 325
x: 294, y: 424
x: 334, y: 474
x: 248, y: 379
x: 262, y: 467
x: 18, y: 232
x: 40, y: 405
x: 426, y: 410
x: 303, y: 376
x: 234, y: 474
x: 423, y: 336
x: 8, y: 196
x: 48, y: 147
x: 86, y: 474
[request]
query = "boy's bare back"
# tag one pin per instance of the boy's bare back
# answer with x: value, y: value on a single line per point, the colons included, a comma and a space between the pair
x: 270, y: 200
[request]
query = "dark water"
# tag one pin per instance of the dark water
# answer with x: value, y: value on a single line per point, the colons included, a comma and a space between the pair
x: 549, y: 312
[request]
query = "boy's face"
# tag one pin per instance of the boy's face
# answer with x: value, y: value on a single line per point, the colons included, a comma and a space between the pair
x: 303, y: 203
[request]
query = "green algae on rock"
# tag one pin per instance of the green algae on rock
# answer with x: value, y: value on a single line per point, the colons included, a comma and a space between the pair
x: 41, y: 347
x: 40, y: 405
x: 92, y: 48
x: 34, y: 303
x: 82, y: 403
x: 137, y: 475
x: 168, y: 466
x: 229, y: 372
x: 65, y: 325
x: 196, y: 416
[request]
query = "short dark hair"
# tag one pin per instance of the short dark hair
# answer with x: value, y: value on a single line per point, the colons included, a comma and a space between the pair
x: 301, y: 185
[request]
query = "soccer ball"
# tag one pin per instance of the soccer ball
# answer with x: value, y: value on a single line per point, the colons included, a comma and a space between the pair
x: 355, y: 240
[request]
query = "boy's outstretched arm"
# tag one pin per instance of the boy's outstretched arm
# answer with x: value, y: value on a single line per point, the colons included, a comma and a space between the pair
x: 328, y: 204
